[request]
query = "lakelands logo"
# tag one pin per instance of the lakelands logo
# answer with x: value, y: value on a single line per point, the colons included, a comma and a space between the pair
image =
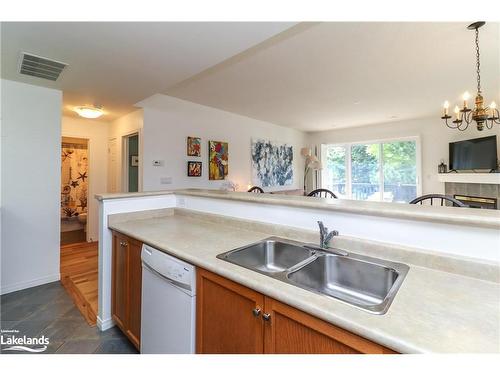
x: 11, y: 342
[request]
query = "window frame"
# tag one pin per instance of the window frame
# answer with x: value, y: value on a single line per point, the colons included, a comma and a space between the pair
x: 348, y: 162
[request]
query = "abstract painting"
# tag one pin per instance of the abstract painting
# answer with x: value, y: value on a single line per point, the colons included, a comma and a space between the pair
x: 217, y: 160
x: 193, y: 146
x: 194, y: 168
x: 272, y: 163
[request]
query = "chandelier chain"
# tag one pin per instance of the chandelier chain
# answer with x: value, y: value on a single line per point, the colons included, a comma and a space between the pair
x: 478, y: 63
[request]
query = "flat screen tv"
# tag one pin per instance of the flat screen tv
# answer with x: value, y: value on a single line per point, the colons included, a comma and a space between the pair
x: 478, y: 153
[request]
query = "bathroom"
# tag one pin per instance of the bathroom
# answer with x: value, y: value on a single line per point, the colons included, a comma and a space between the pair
x: 74, y: 190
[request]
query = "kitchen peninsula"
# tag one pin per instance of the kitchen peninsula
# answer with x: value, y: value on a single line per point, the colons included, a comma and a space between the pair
x: 452, y: 255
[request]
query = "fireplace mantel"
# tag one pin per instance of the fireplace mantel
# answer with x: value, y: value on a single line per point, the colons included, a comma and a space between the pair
x: 471, y: 178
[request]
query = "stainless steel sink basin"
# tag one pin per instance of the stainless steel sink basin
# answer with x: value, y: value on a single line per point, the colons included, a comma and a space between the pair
x: 368, y: 283
x: 273, y: 255
x: 361, y: 281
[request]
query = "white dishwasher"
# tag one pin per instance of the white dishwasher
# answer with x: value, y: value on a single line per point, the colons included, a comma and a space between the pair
x: 168, y: 304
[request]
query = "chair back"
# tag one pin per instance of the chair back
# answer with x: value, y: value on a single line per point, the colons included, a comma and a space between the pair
x: 255, y: 189
x: 322, y: 193
x: 439, y: 198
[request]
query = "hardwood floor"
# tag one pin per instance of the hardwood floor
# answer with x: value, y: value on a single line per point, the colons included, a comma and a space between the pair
x: 79, y: 277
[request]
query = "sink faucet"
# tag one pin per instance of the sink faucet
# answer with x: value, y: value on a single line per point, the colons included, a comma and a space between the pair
x: 325, y: 236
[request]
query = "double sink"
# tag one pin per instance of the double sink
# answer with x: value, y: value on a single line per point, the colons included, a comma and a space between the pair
x: 365, y: 282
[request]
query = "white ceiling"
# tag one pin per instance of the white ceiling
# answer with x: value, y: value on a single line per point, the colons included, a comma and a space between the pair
x: 117, y: 64
x: 331, y: 75
x: 310, y: 76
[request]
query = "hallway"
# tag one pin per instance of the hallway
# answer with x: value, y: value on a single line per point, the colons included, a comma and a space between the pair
x: 79, y: 266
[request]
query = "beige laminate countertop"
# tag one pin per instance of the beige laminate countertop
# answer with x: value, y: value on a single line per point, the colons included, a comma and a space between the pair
x: 433, y: 311
x: 438, y: 214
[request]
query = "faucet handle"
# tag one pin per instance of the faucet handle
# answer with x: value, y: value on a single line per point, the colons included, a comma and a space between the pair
x: 330, y: 235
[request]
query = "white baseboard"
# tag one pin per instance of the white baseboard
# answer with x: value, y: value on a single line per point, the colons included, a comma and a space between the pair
x: 103, y: 325
x: 4, y: 289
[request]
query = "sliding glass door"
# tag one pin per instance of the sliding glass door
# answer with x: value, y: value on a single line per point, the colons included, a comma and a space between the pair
x: 365, y: 167
x: 375, y: 171
x: 334, y: 176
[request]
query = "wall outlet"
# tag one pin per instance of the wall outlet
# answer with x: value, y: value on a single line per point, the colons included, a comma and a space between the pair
x: 157, y: 163
x: 165, y: 180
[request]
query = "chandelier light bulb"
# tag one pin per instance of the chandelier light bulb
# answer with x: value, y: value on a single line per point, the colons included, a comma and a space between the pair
x: 466, y: 96
x: 446, y: 105
x: 493, y: 105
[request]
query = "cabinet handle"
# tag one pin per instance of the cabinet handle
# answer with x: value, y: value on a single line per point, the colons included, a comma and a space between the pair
x: 256, y: 312
x: 266, y: 317
x: 123, y: 244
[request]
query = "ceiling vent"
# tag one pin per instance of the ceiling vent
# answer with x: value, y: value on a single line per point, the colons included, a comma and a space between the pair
x: 41, y: 67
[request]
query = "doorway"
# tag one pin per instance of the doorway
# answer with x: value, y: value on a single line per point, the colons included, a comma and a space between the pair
x: 74, y: 190
x: 78, y: 258
x: 131, y: 162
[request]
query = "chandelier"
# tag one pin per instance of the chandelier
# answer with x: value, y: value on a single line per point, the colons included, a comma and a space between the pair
x: 483, y: 116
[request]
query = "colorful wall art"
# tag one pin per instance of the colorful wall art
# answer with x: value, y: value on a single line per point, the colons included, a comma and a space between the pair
x: 272, y: 163
x: 218, y: 160
x: 194, y: 168
x: 193, y: 146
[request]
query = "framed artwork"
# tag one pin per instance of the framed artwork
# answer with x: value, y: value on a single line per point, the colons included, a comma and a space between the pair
x: 217, y: 160
x: 272, y: 163
x: 193, y: 146
x: 194, y: 168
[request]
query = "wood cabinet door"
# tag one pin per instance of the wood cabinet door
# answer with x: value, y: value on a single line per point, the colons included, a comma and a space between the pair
x: 226, y: 321
x: 134, y: 291
x: 291, y: 331
x: 119, y: 295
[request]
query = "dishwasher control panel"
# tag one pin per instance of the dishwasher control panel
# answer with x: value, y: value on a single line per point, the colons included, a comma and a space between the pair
x: 169, y: 267
x: 178, y: 273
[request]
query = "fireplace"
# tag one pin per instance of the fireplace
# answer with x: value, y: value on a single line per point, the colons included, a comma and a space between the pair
x: 477, y: 202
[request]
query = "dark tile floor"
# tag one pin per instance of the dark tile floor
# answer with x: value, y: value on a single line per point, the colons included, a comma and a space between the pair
x: 48, y: 310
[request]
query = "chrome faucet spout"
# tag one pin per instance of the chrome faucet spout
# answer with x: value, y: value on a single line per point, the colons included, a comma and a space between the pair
x: 324, y: 236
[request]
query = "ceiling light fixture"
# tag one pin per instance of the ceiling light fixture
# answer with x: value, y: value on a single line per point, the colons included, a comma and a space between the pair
x: 89, y: 112
x: 480, y: 114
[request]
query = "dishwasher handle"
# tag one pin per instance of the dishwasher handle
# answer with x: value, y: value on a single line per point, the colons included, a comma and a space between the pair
x: 183, y: 286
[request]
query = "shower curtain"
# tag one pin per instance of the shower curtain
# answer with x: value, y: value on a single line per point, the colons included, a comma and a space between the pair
x: 74, y: 175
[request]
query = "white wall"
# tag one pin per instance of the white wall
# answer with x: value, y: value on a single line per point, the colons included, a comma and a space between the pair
x: 31, y: 177
x: 434, y: 139
x: 97, y: 134
x: 167, y: 123
x: 123, y: 126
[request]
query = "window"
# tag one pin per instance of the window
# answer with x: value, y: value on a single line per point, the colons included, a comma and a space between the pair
x: 375, y: 171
